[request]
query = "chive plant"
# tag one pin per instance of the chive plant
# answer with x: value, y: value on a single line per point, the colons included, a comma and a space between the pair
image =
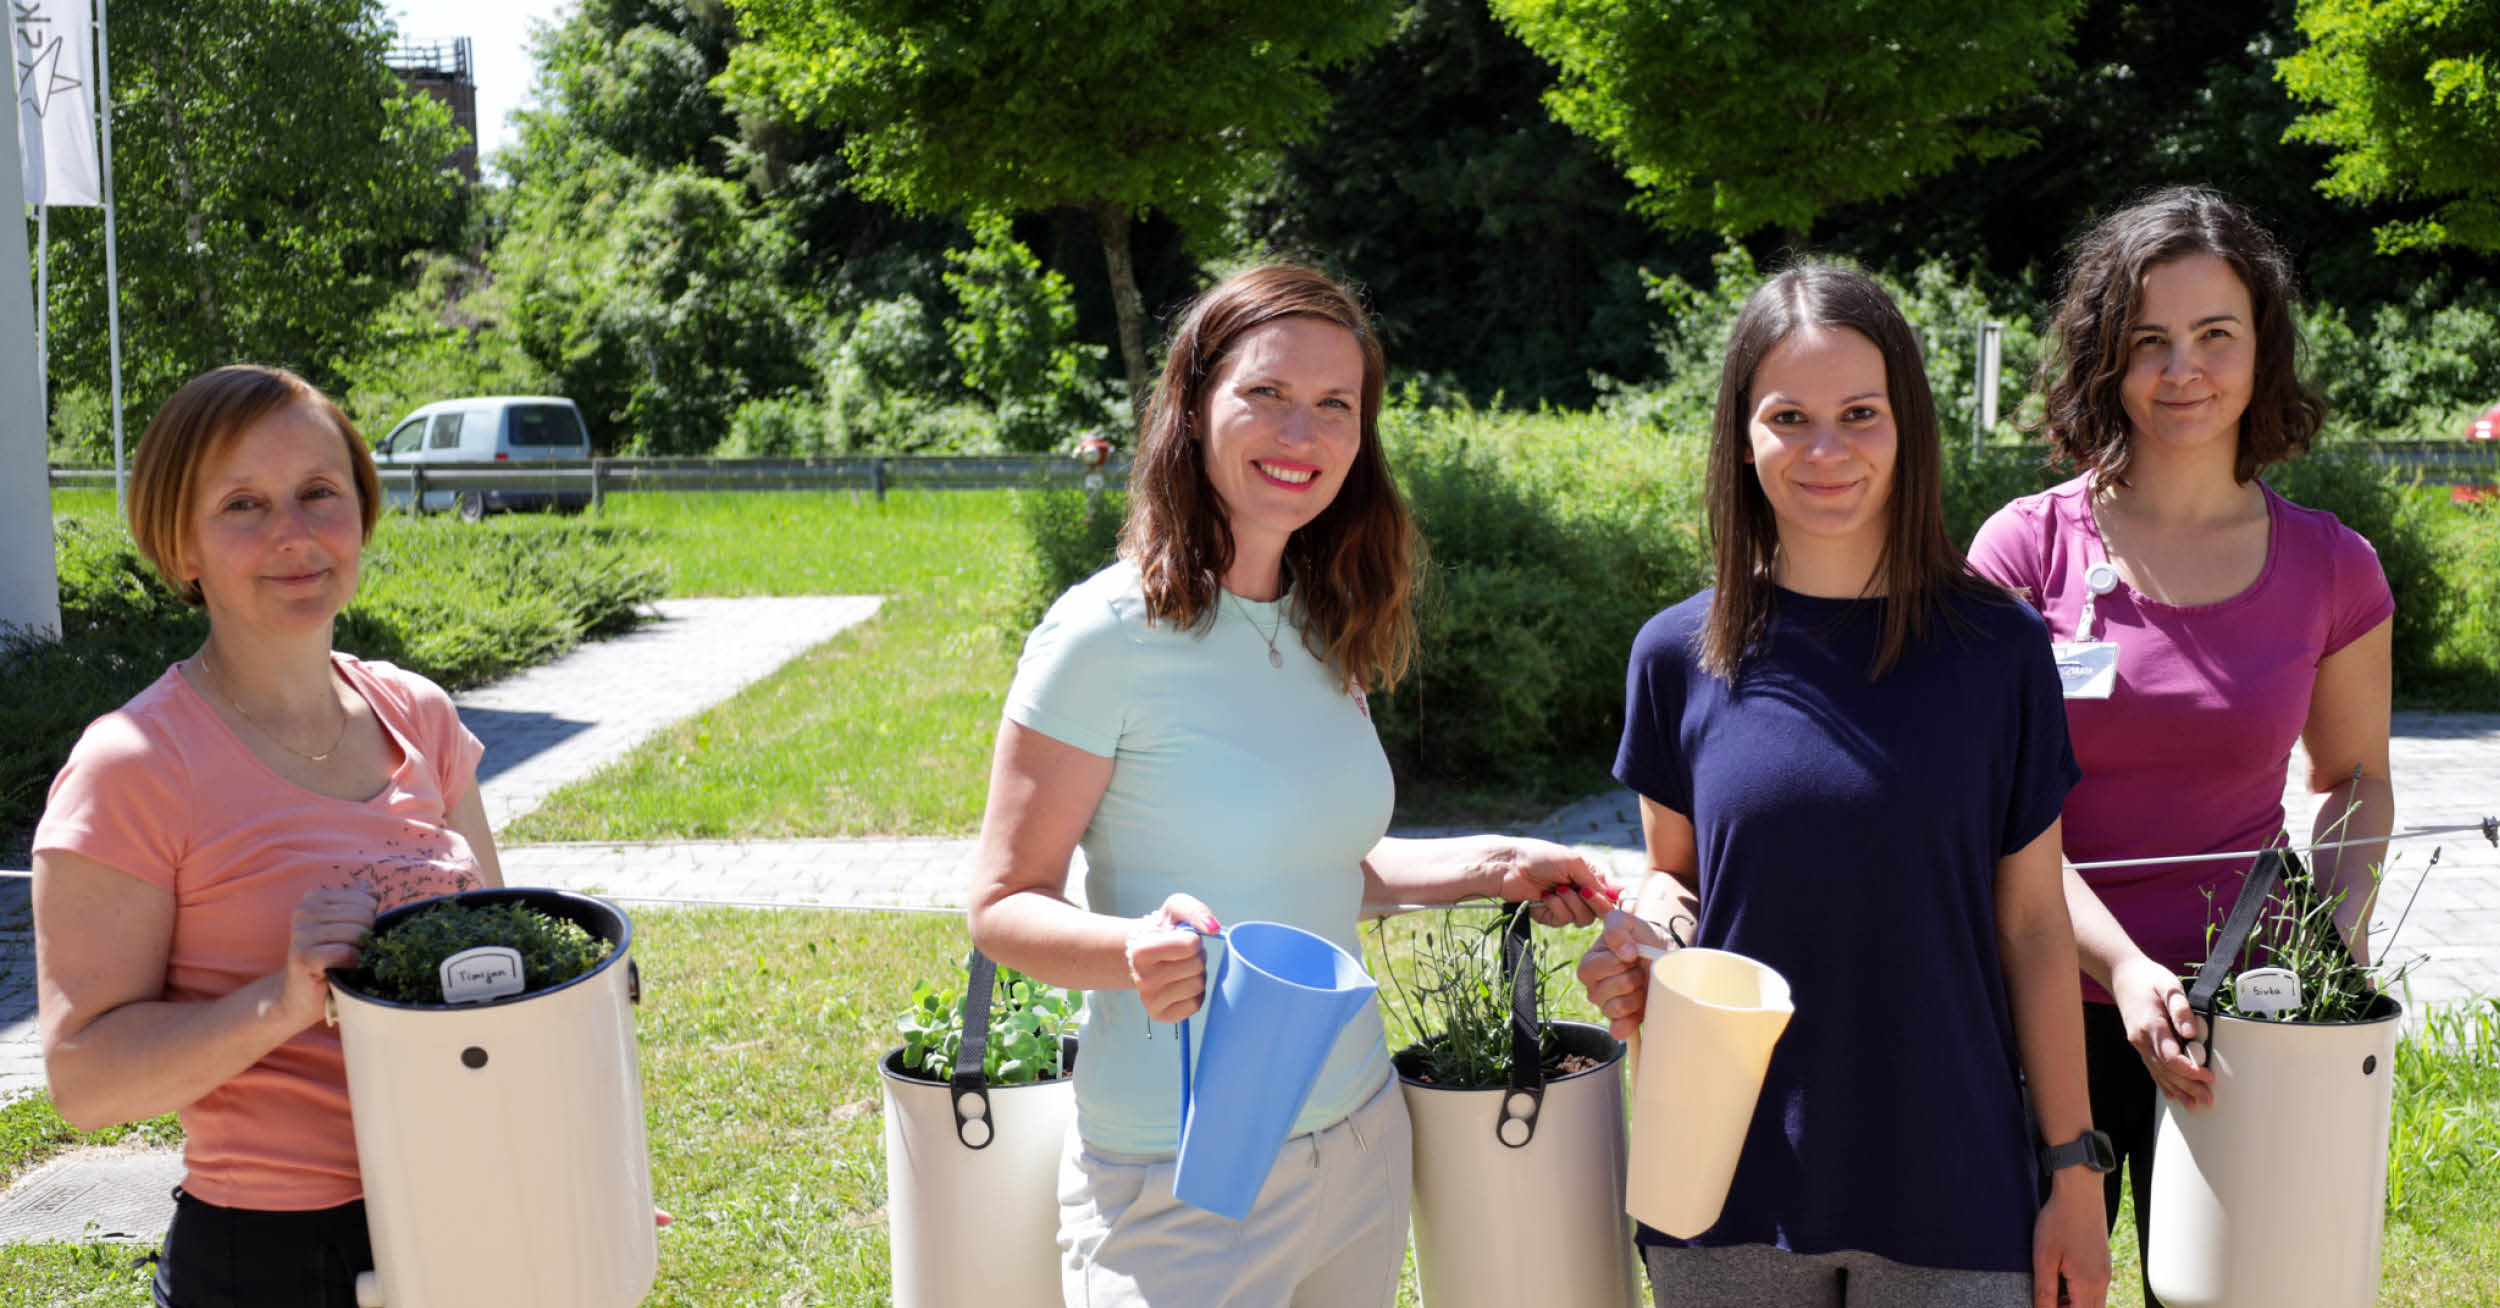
x: 1454, y: 994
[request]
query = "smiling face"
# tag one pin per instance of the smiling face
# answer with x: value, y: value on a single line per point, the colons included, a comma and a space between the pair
x: 2191, y: 356
x: 1822, y: 440
x: 275, y: 530
x: 1283, y: 422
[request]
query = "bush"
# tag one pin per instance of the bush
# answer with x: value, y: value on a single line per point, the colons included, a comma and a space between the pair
x: 2418, y: 368
x: 455, y: 603
x: 404, y: 964
x: 775, y: 427
x: 1017, y: 341
x: 884, y: 385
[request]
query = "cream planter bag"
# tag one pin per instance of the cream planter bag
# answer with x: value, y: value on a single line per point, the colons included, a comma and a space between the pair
x: 501, y: 1141
x: 2277, y: 1193
x: 972, y: 1174
x: 1516, y: 1186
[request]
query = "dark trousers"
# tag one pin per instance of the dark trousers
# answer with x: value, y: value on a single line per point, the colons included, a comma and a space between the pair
x: 2123, y: 1102
x: 244, y: 1258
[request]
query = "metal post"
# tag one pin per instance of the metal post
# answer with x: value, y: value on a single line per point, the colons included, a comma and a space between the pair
x: 1991, y: 352
x: 876, y: 479
x: 416, y: 490
x: 112, y: 266
x: 598, y: 484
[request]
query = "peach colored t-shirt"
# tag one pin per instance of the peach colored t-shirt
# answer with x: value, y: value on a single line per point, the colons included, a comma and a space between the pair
x: 163, y: 790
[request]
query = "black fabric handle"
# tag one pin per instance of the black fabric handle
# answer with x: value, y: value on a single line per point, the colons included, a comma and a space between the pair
x: 975, y: 1129
x: 1526, y: 1096
x: 2271, y: 867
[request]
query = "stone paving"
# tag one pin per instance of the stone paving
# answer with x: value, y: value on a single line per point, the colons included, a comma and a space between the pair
x: 562, y: 721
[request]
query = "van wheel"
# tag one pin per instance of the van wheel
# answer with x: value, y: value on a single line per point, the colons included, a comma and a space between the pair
x: 470, y: 505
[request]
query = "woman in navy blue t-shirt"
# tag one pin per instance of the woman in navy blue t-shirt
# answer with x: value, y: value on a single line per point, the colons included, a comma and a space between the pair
x: 1851, y: 755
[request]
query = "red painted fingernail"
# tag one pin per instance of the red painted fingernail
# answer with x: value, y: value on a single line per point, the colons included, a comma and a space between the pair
x: 1213, y: 926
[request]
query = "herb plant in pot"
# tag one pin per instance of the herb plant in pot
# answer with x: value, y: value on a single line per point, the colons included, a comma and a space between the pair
x: 977, y: 1101
x: 1518, y: 1128
x: 496, y: 1088
x: 2276, y: 1192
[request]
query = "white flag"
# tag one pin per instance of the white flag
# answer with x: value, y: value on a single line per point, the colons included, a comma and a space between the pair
x: 54, y: 45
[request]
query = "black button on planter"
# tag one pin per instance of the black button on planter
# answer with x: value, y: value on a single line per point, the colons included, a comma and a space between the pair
x: 473, y: 1057
x: 2369, y: 1064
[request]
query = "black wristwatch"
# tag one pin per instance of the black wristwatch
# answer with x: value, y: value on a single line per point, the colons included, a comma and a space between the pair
x: 2091, y: 1149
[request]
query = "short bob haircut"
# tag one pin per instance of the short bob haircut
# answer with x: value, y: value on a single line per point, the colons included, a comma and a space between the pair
x: 1920, y: 566
x: 1351, y: 570
x: 2085, y: 421
x: 196, y: 426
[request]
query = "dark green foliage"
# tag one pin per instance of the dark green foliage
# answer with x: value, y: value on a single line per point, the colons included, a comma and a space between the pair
x: 1071, y: 538
x: 270, y: 176
x: 1029, y: 1023
x: 459, y: 604
x: 404, y: 964
x: 2419, y: 365
x: 1016, y: 343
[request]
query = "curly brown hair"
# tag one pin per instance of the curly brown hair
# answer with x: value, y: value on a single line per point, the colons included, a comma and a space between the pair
x: 2086, y: 422
x: 1353, y: 567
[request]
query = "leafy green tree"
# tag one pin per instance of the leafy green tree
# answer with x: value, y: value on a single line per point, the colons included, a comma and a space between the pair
x: 1116, y: 106
x: 1733, y: 116
x: 271, y: 176
x: 1015, y: 343
x: 2408, y: 94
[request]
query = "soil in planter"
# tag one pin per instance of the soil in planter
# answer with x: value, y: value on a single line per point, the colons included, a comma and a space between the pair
x: 1555, y: 1063
x: 404, y: 964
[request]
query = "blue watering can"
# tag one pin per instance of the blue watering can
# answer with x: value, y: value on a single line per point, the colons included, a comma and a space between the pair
x: 1278, y: 1000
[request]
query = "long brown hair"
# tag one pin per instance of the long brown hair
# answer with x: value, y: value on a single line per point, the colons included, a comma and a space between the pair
x: 1920, y: 566
x: 1352, y: 568
x: 195, y: 426
x: 2086, y: 420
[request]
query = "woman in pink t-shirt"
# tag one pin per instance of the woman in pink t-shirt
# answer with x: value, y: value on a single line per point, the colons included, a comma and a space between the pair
x: 2205, y: 624
x: 218, y: 843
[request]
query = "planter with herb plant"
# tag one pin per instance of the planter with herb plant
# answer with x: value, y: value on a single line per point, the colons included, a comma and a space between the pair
x: 1518, y: 1126
x: 977, y: 1101
x: 496, y: 1088
x: 2276, y: 1192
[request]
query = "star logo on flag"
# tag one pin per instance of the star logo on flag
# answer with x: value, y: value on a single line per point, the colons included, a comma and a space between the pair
x: 39, y: 76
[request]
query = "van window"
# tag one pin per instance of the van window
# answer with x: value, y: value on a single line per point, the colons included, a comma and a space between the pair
x: 446, y: 432
x: 405, y: 439
x: 547, y: 424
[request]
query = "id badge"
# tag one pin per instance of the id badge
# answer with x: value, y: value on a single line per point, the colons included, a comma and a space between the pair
x: 2088, y: 669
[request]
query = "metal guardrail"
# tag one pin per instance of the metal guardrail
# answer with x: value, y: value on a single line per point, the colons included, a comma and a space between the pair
x: 2435, y: 462
x: 600, y: 477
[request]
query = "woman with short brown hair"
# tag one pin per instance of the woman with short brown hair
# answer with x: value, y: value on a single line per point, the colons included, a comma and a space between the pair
x: 215, y: 845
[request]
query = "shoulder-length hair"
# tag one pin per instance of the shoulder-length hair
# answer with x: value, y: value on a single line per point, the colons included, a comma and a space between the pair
x: 1352, y: 568
x: 195, y: 426
x: 1920, y: 566
x: 2086, y: 421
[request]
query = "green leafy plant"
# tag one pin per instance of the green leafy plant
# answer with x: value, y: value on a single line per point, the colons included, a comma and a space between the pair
x: 1455, y: 993
x: 2297, y: 931
x: 404, y: 963
x: 1029, y: 1023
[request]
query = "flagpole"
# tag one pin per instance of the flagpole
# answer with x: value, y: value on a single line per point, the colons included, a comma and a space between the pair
x: 112, y: 268
x: 43, y: 316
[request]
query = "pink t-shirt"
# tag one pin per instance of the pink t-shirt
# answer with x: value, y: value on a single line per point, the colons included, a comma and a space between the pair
x: 2189, y: 752
x: 162, y: 790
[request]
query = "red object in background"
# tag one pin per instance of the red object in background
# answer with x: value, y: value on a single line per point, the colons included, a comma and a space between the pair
x: 1093, y: 451
x: 2484, y: 426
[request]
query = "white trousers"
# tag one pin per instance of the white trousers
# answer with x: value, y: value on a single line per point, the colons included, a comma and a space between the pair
x: 1328, y: 1229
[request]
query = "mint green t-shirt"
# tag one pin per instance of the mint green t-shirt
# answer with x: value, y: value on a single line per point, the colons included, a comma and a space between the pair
x: 1255, y: 788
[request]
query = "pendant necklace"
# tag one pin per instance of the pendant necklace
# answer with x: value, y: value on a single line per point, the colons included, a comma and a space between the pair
x: 222, y: 693
x: 1274, y: 659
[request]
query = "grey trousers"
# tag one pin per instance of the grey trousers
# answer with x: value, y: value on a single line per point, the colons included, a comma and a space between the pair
x: 1759, y: 1276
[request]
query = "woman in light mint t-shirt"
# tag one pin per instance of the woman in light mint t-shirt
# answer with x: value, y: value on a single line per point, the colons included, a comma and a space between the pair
x: 1194, y: 717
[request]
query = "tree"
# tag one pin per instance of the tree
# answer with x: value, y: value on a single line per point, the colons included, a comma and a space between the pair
x: 1733, y: 116
x: 1117, y: 106
x: 2408, y: 95
x: 271, y: 176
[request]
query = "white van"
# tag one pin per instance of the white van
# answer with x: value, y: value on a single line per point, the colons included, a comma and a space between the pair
x: 491, y: 429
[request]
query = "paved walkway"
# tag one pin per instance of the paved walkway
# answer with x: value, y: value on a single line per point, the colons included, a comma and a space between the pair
x: 557, y: 723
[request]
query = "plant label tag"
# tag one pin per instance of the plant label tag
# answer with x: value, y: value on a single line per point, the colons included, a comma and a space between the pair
x: 474, y: 976
x: 2266, y: 991
x: 2088, y: 669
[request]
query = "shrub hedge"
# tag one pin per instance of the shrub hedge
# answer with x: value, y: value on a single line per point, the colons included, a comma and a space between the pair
x: 458, y: 603
x: 1552, y: 537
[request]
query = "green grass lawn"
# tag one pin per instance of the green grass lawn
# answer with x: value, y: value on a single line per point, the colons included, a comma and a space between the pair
x: 760, y: 1034
x: 883, y: 730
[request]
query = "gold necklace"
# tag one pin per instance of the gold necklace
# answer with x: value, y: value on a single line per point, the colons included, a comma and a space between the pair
x: 220, y: 681
x: 1274, y: 659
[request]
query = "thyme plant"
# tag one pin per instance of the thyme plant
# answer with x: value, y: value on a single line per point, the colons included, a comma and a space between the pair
x: 404, y: 963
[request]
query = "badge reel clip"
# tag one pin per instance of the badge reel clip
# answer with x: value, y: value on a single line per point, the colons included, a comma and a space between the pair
x: 2088, y: 668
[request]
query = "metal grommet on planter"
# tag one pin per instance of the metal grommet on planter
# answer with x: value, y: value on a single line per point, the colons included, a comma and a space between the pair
x: 2369, y: 1064
x: 473, y: 1057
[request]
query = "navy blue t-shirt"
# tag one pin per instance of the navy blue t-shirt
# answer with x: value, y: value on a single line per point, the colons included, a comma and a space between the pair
x: 1849, y: 832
